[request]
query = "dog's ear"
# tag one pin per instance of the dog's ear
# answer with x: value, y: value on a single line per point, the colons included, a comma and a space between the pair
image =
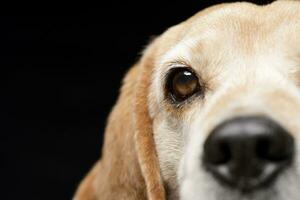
x: 129, y: 166
x: 144, y: 139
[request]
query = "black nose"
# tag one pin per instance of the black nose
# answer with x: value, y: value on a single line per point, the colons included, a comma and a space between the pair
x: 248, y: 152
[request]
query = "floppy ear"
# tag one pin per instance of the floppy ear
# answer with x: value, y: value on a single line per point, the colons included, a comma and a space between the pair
x: 129, y: 166
x: 144, y: 139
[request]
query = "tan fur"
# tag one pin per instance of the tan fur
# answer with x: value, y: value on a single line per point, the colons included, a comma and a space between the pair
x: 228, y: 46
x: 128, y: 168
x: 118, y: 174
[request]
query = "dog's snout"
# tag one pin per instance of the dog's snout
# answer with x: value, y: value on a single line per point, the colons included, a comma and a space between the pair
x: 248, y: 152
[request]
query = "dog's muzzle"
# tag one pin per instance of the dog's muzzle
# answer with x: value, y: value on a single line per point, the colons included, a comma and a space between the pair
x: 248, y: 153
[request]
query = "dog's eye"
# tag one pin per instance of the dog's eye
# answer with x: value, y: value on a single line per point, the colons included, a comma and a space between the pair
x: 182, y: 83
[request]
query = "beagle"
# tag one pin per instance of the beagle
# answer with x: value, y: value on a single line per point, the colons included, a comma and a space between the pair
x: 210, y: 112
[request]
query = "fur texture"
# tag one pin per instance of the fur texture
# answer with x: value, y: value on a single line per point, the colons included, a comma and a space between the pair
x: 248, y: 56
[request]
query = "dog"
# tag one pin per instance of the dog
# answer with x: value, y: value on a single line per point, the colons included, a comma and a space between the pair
x: 210, y: 111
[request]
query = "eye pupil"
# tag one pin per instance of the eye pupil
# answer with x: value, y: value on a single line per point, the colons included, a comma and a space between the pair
x: 184, y: 84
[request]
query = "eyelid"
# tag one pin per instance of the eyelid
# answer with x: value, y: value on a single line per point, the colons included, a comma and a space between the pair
x: 177, y: 63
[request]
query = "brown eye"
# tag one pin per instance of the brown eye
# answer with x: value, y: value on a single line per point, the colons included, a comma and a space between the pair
x: 182, y: 83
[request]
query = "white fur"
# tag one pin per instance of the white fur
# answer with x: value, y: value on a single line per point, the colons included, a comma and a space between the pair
x: 267, y: 66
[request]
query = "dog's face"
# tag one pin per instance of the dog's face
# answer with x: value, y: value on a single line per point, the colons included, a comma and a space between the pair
x: 225, y: 103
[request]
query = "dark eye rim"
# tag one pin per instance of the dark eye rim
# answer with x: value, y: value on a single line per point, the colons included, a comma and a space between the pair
x: 199, y: 91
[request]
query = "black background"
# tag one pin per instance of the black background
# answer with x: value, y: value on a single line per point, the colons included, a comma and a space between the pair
x: 60, y: 77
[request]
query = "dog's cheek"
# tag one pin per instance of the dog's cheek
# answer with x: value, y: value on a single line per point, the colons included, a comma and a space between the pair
x: 169, y: 142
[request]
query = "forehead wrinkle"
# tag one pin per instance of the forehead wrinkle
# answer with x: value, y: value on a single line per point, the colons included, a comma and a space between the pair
x: 210, y: 48
x: 229, y: 24
x: 245, y: 31
x: 206, y: 56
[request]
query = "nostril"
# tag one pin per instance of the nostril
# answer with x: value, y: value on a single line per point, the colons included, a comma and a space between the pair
x: 218, y: 153
x: 278, y: 148
x: 248, y: 152
x: 263, y: 150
